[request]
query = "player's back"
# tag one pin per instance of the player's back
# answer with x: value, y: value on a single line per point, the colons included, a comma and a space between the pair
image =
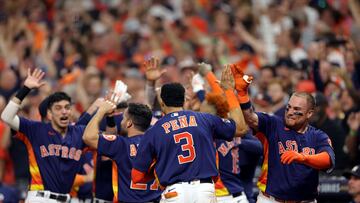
x: 184, y: 148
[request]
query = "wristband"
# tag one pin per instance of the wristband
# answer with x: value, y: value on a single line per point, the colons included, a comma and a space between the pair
x: 110, y: 121
x: 21, y: 94
x: 246, y: 105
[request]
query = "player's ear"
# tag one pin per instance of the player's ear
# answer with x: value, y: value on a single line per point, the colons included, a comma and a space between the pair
x: 48, y: 114
x: 129, y: 123
x: 310, y: 113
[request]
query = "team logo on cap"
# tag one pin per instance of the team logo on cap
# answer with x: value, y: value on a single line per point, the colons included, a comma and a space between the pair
x: 109, y: 137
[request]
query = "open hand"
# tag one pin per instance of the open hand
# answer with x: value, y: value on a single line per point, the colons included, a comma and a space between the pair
x: 204, y: 68
x: 227, y: 78
x: 153, y: 71
x: 33, y: 79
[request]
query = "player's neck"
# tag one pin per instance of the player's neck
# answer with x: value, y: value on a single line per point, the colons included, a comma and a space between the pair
x: 302, y: 129
x: 62, y: 131
x: 134, y: 132
x: 168, y: 110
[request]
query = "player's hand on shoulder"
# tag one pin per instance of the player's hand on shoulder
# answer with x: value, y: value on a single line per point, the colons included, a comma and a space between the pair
x: 34, y: 78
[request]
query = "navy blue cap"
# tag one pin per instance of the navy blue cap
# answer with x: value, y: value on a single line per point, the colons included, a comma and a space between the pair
x: 355, y: 171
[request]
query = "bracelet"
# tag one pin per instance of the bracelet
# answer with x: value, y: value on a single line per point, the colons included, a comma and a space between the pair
x: 21, y: 94
x: 110, y: 121
x: 353, y: 133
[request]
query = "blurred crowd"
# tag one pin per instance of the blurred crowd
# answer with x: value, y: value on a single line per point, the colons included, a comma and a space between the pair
x: 84, y: 46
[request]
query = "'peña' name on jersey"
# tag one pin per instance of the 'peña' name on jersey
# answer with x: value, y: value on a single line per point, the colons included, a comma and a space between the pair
x: 180, y: 122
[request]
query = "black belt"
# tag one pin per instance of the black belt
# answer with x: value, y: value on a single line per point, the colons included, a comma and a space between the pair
x: 58, y: 197
x: 202, y: 180
x: 237, y: 194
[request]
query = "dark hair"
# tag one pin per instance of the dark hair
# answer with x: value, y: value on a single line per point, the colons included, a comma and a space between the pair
x: 140, y: 115
x: 56, y: 97
x: 173, y: 94
x: 309, y: 98
x: 43, y: 106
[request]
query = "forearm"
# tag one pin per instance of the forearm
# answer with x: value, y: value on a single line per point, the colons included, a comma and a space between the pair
x: 236, y: 113
x: 91, y: 132
x: 317, y: 78
x: 211, y: 79
x: 9, y: 114
x: 150, y: 93
x: 319, y: 161
x: 251, y: 118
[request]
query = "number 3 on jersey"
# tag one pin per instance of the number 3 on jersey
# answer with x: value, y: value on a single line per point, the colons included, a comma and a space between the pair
x: 188, y: 146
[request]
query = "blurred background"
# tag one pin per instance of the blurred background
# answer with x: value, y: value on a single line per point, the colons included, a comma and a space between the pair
x: 84, y: 46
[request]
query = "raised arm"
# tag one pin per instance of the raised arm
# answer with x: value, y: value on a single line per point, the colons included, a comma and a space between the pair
x: 32, y: 81
x: 235, y: 113
x: 91, y: 133
x: 152, y: 74
x: 242, y: 83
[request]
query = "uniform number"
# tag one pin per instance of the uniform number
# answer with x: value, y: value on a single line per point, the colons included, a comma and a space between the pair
x: 143, y: 186
x: 188, y: 146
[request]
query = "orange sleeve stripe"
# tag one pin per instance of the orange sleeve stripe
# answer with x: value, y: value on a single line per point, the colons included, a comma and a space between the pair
x: 36, y: 180
x: 318, y: 161
x: 79, y: 180
x: 115, y: 183
x: 212, y: 80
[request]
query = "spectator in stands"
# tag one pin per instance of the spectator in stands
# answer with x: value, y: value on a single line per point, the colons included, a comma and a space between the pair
x: 354, y: 183
x: 336, y: 133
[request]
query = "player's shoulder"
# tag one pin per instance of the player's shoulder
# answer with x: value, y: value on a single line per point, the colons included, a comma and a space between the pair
x: 77, y: 127
x: 316, y: 131
x: 270, y: 117
x: 24, y: 120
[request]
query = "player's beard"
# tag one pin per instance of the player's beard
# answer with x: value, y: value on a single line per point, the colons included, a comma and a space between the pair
x: 293, y: 124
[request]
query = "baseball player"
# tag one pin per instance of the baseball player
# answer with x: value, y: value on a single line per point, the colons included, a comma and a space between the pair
x: 297, y: 151
x: 103, y: 185
x: 122, y: 150
x: 237, y: 158
x: 54, y: 148
x: 180, y: 146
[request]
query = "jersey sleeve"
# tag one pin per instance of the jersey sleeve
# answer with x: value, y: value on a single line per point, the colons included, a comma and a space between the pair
x: 27, y: 127
x: 84, y: 119
x: 251, y: 144
x: 223, y: 128
x: 266, y: 123
x: 109, y: 145
x: 145, y: 153
x: 324, y: 145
